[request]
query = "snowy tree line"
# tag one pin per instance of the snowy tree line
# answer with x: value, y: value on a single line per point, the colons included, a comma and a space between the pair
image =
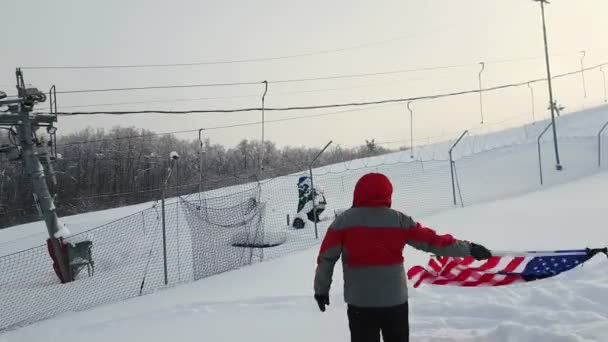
x: 116, y: 168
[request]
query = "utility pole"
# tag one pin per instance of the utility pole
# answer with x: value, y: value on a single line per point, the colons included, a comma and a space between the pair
x: 31, y: 151
x: 558, y: 165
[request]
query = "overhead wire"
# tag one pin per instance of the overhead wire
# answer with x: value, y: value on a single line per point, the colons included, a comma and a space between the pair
x: 318, y: 90
x: 292, y: 80
x: 235, y: 61
x: 297, y: 80
x: 157, y: 87
x: 246, y: 60
x: 302, y: 117
x: 126, y: 137
x: 334, y: 105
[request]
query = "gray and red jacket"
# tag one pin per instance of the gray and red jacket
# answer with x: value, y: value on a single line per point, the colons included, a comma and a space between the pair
x: 370, y: 238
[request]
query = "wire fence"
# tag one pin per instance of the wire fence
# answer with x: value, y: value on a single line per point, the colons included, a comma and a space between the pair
x: 127, y: 257
x: 203, y: 234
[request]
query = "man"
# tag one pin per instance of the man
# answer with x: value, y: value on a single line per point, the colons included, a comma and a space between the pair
x: 306, y: 209
x: 371, y: 237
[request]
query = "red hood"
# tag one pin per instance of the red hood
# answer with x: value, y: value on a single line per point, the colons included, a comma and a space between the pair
x: 373, y: 190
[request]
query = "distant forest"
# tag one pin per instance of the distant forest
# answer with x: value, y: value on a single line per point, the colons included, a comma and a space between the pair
x: 101, y: 169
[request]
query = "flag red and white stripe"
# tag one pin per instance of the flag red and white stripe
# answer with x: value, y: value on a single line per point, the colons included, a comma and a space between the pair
x: 503, y: 268
x: 467, y: 271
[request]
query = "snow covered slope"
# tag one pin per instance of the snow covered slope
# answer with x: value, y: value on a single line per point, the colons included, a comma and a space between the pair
x: 422, y: 187
x: 580, y: 124
x: 273, y: 300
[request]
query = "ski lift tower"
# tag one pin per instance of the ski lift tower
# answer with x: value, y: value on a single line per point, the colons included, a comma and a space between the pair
x: 16, y: 116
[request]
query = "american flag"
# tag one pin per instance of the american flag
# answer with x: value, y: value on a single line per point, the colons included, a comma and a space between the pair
x: 502, y: 269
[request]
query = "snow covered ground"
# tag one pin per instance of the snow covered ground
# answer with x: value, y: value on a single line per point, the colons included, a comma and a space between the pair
x: 579, y: 124
x: 273, y: 300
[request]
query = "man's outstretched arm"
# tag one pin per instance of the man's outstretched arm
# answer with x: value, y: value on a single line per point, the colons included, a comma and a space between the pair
x: 428, y: 240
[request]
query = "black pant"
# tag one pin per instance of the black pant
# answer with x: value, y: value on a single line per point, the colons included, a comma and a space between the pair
x: 366, y: 324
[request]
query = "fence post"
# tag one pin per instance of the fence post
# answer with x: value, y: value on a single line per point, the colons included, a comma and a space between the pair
x: 452, y: 164
x: 312, y: 185
x: 599, y: 145
x: 174, y: 158
x: 162, y: 201
x: 540, y: 164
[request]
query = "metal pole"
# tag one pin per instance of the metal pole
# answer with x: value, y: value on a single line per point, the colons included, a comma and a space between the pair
x: 540, y: 164
x: 599, y: 145
x: 558, y: 165
x: 411, y: 129
x: 263, y: 124
x: 179, y: 191
x: 164, y: 221
x: 452, y: 164
x: 42, y: 196
x: 312, y: 185
x: 164, y: 236
x: 200, y: 173
x: 483, y: 66
x: 604, y: 76
x: 532, y: 100
x: 583, y: 72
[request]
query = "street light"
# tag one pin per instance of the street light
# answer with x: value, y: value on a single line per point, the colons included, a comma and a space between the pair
x: 532, y: 100
x: 173, y: 157
x: 604, y: 76
x: 558, y: 165
x: 200, y: 173
x: 411, y: 129
x: 583, y: 72
x: 263, y: 124
x: 483, y: 66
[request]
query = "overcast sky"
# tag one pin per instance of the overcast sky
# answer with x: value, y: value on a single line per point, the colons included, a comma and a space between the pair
x: 406, y: 34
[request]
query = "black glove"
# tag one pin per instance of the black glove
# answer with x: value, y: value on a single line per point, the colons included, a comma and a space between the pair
x: 479, y: 252
x: 322, y: 300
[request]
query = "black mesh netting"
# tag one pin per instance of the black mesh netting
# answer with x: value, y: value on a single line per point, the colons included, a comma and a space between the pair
x: 227, y: 228
x: 127, y: 254
x: 226, y: 232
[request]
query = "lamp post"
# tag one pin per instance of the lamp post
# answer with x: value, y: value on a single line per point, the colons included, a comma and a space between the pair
x: 558, y: 165
x: 411, y: 129
x: 483, y: 67
x: 200, y: 173
x: 263, y: 124
x: 174, y: 156
x: 604, y: 76
x: 532, y: 101
x: 583, y: 72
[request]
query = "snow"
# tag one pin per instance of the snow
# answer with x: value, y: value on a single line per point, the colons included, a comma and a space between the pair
x: 62, y: 231
x: 523, y: 139
x: 506, y: 210
x: 273, y: 300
